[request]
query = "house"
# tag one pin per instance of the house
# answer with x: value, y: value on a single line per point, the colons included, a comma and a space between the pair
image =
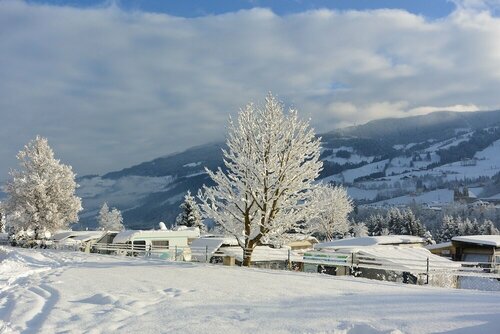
x: 481, y: 254
x: 477, y: 248
x: 396, y: 258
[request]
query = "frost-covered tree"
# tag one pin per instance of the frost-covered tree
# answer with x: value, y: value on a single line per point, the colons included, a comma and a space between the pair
x: 377, y: 225
x: 448, y: 229
x: 488, y: 228
x: 411, y: 225
x: 110, y: 219
x: 190, y: 215
x: 331, y: 221
x: 395, y: 222
x: 41, y: 195
x: 271, y: 161
x: 358, y: 230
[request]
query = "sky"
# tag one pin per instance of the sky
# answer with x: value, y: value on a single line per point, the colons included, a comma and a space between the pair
x: 116, y: 83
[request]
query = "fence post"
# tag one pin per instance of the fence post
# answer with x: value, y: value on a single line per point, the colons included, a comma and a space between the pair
x: 175, y: 256
x: 206, y: 254
x: 289, y: 263
x: 427, y: 272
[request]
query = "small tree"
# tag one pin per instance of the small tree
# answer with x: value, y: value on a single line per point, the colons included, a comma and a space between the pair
x: 377, y: 225
x: 448, y: 229
x: 41, y: 195
x: 331, y: 221
x: 270, y: 165
x: 190, y: 215
x: 110, y: 220
x: 358, y: 230
x: 488, y: 228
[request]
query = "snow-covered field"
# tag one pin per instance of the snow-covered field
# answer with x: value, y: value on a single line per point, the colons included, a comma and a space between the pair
x: 44, y: 291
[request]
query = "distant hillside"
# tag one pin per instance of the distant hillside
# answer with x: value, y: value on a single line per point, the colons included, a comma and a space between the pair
x: 377, y: 161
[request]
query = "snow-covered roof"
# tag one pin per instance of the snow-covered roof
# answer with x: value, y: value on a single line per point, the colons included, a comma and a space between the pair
x: 440, y: 245
x: 207, y: 246
x: 404, y: 258
x: 371, y: 241
x: 62, y: 235
x: 127, y: 235
x: 394, y: 258
x: 124, y: 236
x: 490, y: 240
x: 91, y: 235
x: 261, y: 254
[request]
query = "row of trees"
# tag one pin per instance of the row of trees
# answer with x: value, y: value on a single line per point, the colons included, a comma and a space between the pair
x: 396, y: 221
x: 454, y: 226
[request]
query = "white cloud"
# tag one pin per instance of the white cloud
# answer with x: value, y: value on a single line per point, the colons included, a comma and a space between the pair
x: 111, y: 88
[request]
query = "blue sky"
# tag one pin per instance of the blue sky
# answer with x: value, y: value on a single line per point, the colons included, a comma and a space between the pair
x: 196, y: 8
x: 112, y: 84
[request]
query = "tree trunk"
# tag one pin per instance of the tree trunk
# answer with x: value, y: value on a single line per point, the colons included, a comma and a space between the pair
x: 247, y: 254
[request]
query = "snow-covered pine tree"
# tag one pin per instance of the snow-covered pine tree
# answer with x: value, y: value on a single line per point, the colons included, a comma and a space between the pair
x: 376, y: 225
x: 110, y: 219
x: 448, y: 229
x: 488, y: 228
x: 331, y: 222
x: 395, y: 222
x: 411, y: 225
x: 41, y: 195
x: 190, y: 215
x: 271, y: 163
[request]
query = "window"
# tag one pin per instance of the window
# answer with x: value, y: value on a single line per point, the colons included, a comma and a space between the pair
x: 160, y: 243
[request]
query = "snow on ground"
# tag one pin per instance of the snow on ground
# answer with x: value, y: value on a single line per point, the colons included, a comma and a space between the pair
x: 430, y: 197
x: 487, y: 164
x: 351, y: 174
x: 361, y: 194
x: 46, y: 291
x: 353, y: 159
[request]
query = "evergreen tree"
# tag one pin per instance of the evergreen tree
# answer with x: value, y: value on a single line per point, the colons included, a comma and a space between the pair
x: 395, y: 222
x: 376, y: 225
x: 411, y: 225
x: 448, y: 229
x: 110, y: 220
x: 488, y: 228
x: 190, y: 215
x: 41, y: 195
